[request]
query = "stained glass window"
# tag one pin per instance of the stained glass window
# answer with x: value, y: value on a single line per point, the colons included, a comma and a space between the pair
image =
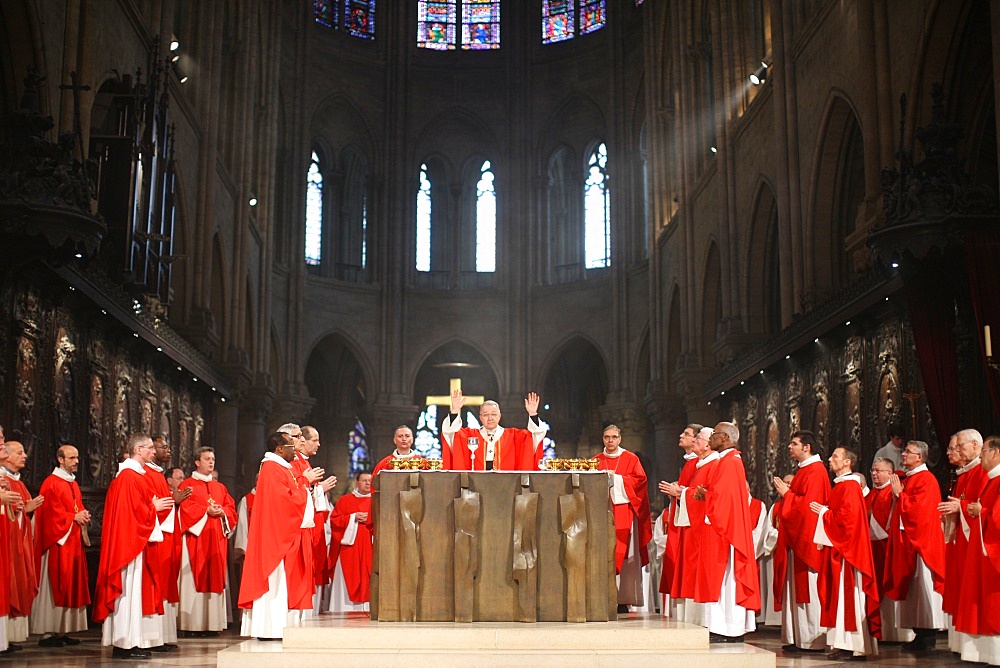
x: 357, y: 448
x: 597, y: 211
x: 364, y: 230
x: 480, y: 24
x: 427, y: 440
x: 325, y: 12
x: 314, y: 212
x: 436, y: 24
x: 557, y: 20
x: 548, y: 448
x: 424, y: 222
x: 486, y: 221
x: 359, y: 18
x: 591, y: 16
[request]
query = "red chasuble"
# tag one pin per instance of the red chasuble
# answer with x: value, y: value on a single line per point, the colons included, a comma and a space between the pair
x: 315, y: 559
x: 779, y: 558
x: 4, y: 560
x: 630, y: 468
x: 846, y: 525
x: 129, y: 520
x: 968, y: 487
x: 356, y: 559
x: 916, y: 510
x: 798, y: 524
x: 209, y: 550
x: 672, y: 552
x: 728, y: 510
x: 693, y: 538
x: 987, y: 552
x: 21, y: 539
x: 163, y: 558
x: 67, y: 563
x: 514, y: 451
x: 880, y: 502
x: 275, y: 537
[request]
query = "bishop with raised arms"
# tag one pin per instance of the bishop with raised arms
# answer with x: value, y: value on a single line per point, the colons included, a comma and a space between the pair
x: 491, y: 447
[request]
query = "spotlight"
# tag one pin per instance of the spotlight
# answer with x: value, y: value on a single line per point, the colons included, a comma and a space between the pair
x: 848, y: 323
x: 895, y: 265
x: 176, y: 57
x: 253, y: 200
x: 816, y: 340
x: 788, y: 357
x: 79, y: 256
x: 184, y: 78
x: 759, y: 75
x: 174, y: 44
x: 713, y: 149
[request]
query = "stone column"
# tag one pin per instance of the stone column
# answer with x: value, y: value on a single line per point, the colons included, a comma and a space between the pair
x: 382, y: 425
x: 251, y: 436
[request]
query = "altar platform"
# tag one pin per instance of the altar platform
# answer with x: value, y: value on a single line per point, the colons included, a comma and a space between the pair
x: 352, y: 639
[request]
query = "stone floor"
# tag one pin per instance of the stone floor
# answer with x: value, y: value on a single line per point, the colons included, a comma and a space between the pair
x: 202, y: 652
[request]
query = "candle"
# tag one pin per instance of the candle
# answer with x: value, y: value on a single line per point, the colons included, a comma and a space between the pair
x: 989, y: 344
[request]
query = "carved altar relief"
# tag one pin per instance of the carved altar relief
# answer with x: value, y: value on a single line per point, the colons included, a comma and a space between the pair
x: 95, y: 429
x: 821, y: 411
x: 27, y: 381
x: 850, y: 378
x: 64, y: 390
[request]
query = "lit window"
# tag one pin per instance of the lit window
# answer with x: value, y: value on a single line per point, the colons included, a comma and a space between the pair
x: 597, y: 211
x: 426, y: 441
x: 357, y: 18
x: 480, y: 24
x: 436, y: 24
x: 424, y: 222
x: 486, y: 221
x: 357, y: 448
x: 314, y: 212
x: 559, y: 18
x: 364, y: 230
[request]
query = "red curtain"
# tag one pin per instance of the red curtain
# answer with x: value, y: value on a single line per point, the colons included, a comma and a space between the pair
x: 930, y: 299
x: 982, y: 254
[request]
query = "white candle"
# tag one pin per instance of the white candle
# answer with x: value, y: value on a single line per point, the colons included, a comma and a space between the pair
x: 989, y: 344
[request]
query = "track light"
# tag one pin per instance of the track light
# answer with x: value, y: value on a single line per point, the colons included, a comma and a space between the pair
x: 713, y: 149
x: 174, y: 44
x: 759, y: 75
x: 253, y: 200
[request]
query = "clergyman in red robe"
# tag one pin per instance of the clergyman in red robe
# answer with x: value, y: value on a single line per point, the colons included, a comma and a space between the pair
x: 63, y: 589
x: 351, y: 547
x: 491, y: 447
x: 23, y: 575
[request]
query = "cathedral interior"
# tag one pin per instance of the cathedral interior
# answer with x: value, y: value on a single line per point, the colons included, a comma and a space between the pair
x: 218, y: 217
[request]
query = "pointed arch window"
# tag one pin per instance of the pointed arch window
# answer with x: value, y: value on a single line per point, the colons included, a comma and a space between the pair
x: 486, y: 221
x: 597, y: 211
x: 427, y: 441
x: 423, y: 260
x: 559, y: 18
x: 438, y: 23
x: 314, y: 212
x: 355, y: 17
x: 357, y: 448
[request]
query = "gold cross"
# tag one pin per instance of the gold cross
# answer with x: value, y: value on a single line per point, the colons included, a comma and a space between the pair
x: 455, y: 384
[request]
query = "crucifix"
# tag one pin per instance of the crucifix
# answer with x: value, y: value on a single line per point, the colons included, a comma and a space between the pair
x: 454, y: 384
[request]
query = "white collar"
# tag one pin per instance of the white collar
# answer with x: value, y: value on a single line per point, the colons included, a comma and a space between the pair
x: 993, y: 472
x: 883, y: 485
x: 201, y: 476
x: 132, y: 464
x: 271, y: 457
x: 492, y: 436
x: 726, y: 452
x: 710, y: 457
x: 10, y: 474
x: 968, y: 467
x: 301, y: 456
x: 155, y: 467
x: 361, y: 496
x: 688, y: 456
x: 618, y: 453
x: 59, y: 473
x: 845, y: 477
x: 807, y: 462
x: 922, y: 467
x: 411, y: 453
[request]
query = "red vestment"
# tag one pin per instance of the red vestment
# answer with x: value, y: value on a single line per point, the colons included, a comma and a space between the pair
x: 23, y: 575
x: 276, y: 537
x: 312, y: 537
x: 921, y: 533
x: 695, y: 536
x: 164, y: 558
x: 628, y: 466
x: 798, y: 524
x: 4, y: 560
x: 67, y: 562
x: 728, y: 510
x: 880, y: 502
x: 355, y: 559
x: 846, y: 525
x: 987, y: 553
x: 958, y: 577
x: 514, y: 451
x: 209, y: 550
x: 386, y: 462
x: 129, y: 520
x: 672, y: 554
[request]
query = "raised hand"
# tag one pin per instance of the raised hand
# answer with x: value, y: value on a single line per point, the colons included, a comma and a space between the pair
x: 313, y: 475
x: 329, y: 483
x: 457, y: 401
x: 33, y: 504
x: 531, y: 404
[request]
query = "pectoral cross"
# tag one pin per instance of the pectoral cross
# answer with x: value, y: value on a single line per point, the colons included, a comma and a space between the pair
x: 455, y: 384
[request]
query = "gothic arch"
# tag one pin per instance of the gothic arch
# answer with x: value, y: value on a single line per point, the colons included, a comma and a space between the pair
x: 762, y: 276
x: 574, y: 386
x: 711, y: 305
x: 455, y: 358
x: 672, y: 347
x: 340, y: 122
x: 838, y: 189
x: 275, y: 359
x: 574, y: 121
x: 641, y: 370
x: 461, y: 131
x: 219, y: 291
